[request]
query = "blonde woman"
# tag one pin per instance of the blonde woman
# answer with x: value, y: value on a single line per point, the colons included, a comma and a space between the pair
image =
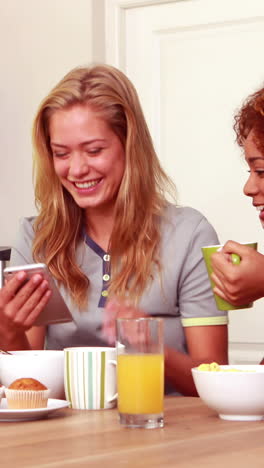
x: 107, y: 232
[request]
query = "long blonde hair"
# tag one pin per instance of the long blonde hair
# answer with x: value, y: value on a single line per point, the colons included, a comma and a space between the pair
x: 141, y: 199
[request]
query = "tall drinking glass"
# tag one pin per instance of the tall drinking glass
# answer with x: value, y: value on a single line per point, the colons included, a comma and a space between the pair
x: 140, y: 372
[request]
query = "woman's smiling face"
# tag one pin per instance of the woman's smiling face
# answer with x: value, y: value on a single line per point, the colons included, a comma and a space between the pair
x: 88, y: 157
x: 254, y: 186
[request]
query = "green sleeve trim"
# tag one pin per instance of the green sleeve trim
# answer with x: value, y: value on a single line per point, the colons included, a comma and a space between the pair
x: 203, y: 321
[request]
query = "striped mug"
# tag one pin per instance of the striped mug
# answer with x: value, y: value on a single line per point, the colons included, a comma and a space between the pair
x: 90, y: 377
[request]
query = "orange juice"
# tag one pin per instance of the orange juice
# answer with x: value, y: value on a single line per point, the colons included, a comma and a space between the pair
x: 140, y: 383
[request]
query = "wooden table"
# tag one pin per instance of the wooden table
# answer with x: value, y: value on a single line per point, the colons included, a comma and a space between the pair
x: 193, y: 436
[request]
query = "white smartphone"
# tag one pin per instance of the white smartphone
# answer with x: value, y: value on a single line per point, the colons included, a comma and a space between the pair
x: 56, y: 310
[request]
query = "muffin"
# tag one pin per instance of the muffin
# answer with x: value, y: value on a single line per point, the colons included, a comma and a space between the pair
x: 26, y: 393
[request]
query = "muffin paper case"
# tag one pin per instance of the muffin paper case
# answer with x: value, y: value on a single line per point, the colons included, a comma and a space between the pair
x: 21, y: 399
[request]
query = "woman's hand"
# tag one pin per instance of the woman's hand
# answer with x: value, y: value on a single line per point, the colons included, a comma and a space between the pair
x: 242, y: 283
x: 118, y: 309
x: 20, y: 304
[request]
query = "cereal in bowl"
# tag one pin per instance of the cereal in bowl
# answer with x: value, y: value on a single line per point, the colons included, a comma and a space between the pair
x: 214, y: 367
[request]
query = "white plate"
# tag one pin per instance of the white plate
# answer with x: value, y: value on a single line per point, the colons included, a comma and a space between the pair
x: 7, y: 414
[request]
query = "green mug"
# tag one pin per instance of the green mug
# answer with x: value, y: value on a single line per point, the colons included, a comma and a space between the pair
x: 207, y: 251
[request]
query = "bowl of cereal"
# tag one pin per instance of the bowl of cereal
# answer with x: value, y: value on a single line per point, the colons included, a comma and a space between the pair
x: 235, y: 392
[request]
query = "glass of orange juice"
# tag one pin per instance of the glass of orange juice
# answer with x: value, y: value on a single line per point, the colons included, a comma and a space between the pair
x: 140, y: 372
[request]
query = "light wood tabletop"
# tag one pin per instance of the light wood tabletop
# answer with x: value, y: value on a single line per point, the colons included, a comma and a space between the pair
x: 193, y: 436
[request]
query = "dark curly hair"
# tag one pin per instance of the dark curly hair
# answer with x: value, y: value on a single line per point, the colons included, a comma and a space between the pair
x: 251, y: 117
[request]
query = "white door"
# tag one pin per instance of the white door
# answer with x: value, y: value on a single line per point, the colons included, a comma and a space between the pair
x: 193, y: 62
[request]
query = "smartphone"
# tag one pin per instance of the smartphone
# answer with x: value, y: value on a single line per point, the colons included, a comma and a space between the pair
x: 56, y: 310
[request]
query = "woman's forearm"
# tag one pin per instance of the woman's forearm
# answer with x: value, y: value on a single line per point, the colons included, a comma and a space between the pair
x: 14, y: 341
x: 178, y: 370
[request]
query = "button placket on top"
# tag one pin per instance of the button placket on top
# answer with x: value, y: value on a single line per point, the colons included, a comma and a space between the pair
x: 105, y: 268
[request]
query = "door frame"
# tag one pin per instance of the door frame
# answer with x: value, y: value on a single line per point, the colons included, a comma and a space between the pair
x: 113, y: 16
x: 114, y: 12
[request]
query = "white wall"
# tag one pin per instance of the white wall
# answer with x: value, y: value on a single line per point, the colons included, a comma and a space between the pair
x: 40, y: 41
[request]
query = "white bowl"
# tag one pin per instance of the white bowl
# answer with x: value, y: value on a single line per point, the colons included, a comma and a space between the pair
x: 236, y: 396
x: 45, y: 365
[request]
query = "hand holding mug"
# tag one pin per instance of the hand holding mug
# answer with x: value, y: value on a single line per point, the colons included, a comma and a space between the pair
x: 242, y: 282
x: 230, y: 259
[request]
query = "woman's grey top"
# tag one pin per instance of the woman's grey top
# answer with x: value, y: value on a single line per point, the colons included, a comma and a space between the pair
x: 182, y: 295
